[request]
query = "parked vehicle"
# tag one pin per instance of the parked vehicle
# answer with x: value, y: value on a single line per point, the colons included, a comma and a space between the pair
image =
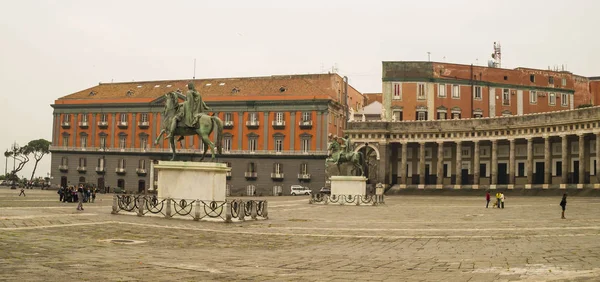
x: 299, y: 190
x: 325, y: 190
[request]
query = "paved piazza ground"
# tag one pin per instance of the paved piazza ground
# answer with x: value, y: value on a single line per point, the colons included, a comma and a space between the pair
x: 411, y: 238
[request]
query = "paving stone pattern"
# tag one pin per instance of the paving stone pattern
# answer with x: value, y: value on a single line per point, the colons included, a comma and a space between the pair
x: 411, y: 238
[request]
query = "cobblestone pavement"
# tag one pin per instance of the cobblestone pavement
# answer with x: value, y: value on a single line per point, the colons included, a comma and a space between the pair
x: 411, y: 238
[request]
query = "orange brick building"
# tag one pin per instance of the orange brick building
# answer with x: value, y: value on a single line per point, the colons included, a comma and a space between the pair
x: 271, y: 123
x: 437, y: 91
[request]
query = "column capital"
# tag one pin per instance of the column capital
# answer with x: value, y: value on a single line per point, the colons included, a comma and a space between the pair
x: 403, y: 142
x: 581, y: 135
x: 529, y: 139
x: 440, y: 142
x: 511, y: 140
x: 458, y: 141
x: 563, y: 136
x: 494, y: 141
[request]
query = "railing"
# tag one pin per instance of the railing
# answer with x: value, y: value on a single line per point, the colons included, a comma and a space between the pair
x: 278, y: 123
x: 83, y: 124
x: 303, y: 176
x: 120, y: 170
x: 248, y: 174
x: 103, y: 124
x: 143, y: 124
x: 276, y: 175
x: 186, y: 151
x: 122, y: 124
x: 65, y: 124
x: 228, y: 174
x: 358, y: 200
x: 305, y: 123
x: 140, y: 171
x: 228, y: 124
x: 81, y: 169
x: 252, y: 123
x: 63, y: 167
x: 100, y: 169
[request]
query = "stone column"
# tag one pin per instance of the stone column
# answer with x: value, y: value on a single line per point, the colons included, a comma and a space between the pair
x: 403, y: 157
x: 565, y: 159
x: 547, y: 157
x: 581, y: 159
x: 494, y: 164
x: 440, y: 164
x: 511, y: 160
x: 384, y: 169
x: 598, y: 157
x: 458, y: 163
x: 476, y: 162
x: 529, y: 164
x: 421, y: 163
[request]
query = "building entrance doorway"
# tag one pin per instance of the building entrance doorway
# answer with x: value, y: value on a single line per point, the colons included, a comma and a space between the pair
x: 502, y: 177
x: 576, y: 172
x: 538, y: 177
x: 464, y: 176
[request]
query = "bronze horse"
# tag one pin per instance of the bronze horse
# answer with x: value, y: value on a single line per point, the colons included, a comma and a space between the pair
x: 354, y: 158
x: 205, y: 126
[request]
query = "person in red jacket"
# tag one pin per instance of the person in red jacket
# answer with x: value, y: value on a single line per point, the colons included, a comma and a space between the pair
x: 487, y: 198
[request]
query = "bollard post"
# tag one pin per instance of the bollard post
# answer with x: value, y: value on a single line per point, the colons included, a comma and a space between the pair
x: 168, y: 211
x: 115, y: 205
x: 253, y: 211
x: 140, y: 202
x: 227, y: 212
x: 241, y: 210
x: 197, y: 214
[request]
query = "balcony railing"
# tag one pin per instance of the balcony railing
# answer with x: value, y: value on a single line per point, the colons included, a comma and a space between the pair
x: 81, y: 169
x: 63, y: 167
x: 83, y: 124
x: 186, y: 151
x: 249, y: 174
x: 228, y: 124
x: 143, y: 124
x: 140, y: 171
x: 122, y: 124
x: 100, y: 170
x: 305, y: 124
x: 278, y: 123
x: 65, y: 124
x: 103, y: 124
x: 252, y: 123
x: 276, y: 175
x: 303, y: 176
x: 120, y: 170
x: 228, y: 174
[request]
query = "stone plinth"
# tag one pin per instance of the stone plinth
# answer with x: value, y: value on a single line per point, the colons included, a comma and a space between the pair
x: 192, y: 180
x: 348, y: 185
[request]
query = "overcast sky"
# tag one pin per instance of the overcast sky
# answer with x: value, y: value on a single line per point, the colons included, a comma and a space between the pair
x: 53, y: 48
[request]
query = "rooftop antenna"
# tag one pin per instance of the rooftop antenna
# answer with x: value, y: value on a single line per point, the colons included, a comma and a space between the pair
x: 429, y: 56
x: 194, y: 77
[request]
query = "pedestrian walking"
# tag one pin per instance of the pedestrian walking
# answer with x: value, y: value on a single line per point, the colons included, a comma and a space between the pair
x: 497, y: 200
x: 61, y: 193
x: 22, y: 193
x: 80, y: 198
x: 93, y: 195
x: 487, y: 199
x: 502, y: 199
x: 563, y: 204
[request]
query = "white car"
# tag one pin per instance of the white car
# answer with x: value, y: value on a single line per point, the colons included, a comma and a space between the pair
x: 300, y: 190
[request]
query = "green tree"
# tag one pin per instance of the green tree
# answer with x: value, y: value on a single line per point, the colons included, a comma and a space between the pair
x: 20, y: 155
x: 39, y: 148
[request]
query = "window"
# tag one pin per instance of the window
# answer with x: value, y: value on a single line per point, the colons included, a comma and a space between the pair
x: 103, y: 118
x: 65, y: 142
x: 421, y: 91
x: 304, y: 168
x: 66, y: 118
x: 564, y: 100
x: 551, y: 79
x: 477, y: 115
x: 228, y: 118
x: 82, y: 162
x: 143, y: 142
x: 122, y: 142
x: 253, y: 117
x: 123, y: 118
x: 334, y: 120
x: 532, y: 97
x: 505, y: 77
x: 227, y: 143
x: 559, y: 168
x: 279, y: 117
x: 83, y: 140
x: 142, y: 164
x: 477, y: 94
x: 442, y: 91
x: 505, y: 97
x: 144, y: 118
x: 397, y: 115
x: 455, y: 115
x: 564, y: 82
x: 277, y: 168
x: 455, y: 91
x: 251, y: 167
x: 306, y: 116
x: 532, y: 77
x: 521, y: 169
x: 397, y: 91
x: 64, y: 161
x: 102, y: 141
x: 122, y: 163
x: 552, y: 99
x: 305, y: 145
x: 441, y: 115
x: 421, y: 115
x: 252, y: 144
x: 84, y: 118
x: 101, y: 163
x: 278, y: 145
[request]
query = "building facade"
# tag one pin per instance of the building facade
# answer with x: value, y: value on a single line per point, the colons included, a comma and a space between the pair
x: 275, y: 131
x: 545, y: 150
x: 440, y: 91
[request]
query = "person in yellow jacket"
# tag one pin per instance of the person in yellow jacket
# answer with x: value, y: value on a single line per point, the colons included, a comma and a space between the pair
x: 498, y: 195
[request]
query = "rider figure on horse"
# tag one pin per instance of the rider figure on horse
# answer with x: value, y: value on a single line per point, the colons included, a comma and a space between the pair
x: 345, y: 149
x: 189, y: 110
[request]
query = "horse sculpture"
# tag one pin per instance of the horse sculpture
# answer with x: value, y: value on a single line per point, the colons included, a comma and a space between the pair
x: 354, y: 158
x: 205, y: 125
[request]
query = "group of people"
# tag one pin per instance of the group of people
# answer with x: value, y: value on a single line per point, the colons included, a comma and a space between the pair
x: 77, y: 195
x: 500, y: 202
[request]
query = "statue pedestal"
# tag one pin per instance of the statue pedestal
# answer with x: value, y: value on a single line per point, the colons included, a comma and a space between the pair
x: 192, y: 180
x: 348, y: 185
